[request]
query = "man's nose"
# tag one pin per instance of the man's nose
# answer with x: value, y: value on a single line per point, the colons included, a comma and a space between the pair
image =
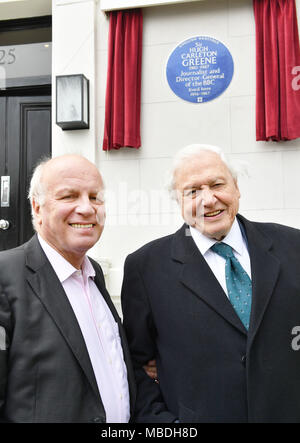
x: 85, y: 206
x: 207, y: 197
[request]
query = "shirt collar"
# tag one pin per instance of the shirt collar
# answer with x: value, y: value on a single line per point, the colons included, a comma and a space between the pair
x: 61, y: 266
x: 234, y: 239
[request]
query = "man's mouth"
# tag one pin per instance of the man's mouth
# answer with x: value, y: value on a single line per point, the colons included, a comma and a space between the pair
x: 81, y: 225
x: 213, y: 214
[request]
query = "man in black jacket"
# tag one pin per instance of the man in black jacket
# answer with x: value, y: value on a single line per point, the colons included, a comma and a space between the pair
x: 63, y: 352
x: 216, y: 305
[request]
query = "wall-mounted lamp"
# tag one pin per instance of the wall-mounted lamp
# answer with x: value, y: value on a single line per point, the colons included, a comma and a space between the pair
x: 72, y: 101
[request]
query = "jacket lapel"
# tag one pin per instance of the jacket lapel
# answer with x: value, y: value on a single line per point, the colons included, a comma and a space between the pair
x: 265, y: 269
x: 49, y: 290
x: 197, y: 277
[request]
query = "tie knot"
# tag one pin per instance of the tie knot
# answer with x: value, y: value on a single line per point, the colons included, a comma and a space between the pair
x: 223, y: 250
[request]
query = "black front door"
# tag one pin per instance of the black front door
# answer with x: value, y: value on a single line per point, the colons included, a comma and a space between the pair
x: 25, y: 138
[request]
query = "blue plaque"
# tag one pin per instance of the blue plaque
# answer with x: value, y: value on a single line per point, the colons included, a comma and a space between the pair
x: 199, y: 69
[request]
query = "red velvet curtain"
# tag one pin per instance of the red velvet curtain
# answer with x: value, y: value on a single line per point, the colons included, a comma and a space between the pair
x: 123, y: 88
x: 277, y: 55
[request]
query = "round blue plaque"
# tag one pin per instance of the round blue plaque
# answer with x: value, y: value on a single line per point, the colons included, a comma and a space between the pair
x: 199, y: 69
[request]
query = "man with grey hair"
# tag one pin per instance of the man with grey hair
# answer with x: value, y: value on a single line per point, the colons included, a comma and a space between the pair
x: 63, y: 352
x: 216, y: 305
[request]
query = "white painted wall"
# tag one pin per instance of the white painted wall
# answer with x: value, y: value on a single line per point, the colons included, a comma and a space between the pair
x: 73, y: 52
x: 168, y: 123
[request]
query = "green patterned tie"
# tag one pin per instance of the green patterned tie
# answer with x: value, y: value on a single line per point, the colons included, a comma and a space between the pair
x: 238, y: 283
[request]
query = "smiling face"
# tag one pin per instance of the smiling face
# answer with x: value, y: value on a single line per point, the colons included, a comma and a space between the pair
x: 69, y: 217
x: 208, y: 194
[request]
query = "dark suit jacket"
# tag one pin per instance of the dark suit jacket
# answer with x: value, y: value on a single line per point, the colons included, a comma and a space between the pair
x: 209, y: 368
x: 46, y: 374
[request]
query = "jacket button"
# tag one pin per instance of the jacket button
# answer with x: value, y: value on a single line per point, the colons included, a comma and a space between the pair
x: 244, y: 358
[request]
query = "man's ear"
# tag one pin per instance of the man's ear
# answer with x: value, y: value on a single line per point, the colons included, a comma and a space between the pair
x: 237, y: 187
x: 36, y: 207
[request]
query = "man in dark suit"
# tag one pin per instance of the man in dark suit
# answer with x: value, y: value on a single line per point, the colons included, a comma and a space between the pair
x: 63, y: 352
x: 216, y: 305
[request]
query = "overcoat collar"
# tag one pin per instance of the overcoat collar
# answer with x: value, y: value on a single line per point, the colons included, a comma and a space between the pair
x: 265, y: 269
x: 197, y: 276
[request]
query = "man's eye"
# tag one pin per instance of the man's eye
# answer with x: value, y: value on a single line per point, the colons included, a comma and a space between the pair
x: 190, y: 193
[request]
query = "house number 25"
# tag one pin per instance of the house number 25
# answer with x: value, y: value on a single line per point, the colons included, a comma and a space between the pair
x: 7, y: 56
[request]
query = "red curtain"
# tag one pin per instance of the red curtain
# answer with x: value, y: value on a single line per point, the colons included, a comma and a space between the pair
x: 123, y: 88
x: 277, y: 55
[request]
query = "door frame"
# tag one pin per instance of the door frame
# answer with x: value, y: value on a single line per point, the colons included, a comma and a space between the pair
x: 29, y: 86
x: 38, y: 86
x: 16, y: 153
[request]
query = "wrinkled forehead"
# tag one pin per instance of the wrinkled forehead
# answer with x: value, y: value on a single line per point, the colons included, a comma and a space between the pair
x: 203, y: 166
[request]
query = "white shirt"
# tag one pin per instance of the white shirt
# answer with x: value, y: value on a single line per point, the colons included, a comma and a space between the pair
x: 234, y: 239
x: 100, y: 332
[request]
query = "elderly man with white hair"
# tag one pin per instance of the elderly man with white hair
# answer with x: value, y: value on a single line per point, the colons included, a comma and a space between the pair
x: 217, y: 305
